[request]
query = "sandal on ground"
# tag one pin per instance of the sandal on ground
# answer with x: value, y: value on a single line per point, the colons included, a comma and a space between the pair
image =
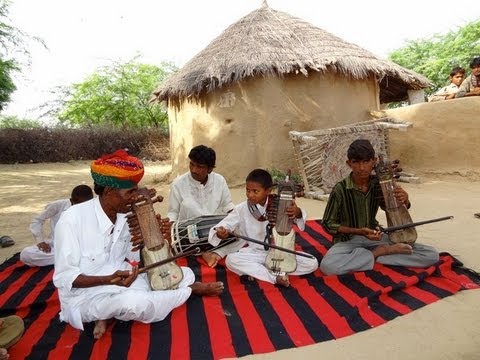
x: 6, y: 241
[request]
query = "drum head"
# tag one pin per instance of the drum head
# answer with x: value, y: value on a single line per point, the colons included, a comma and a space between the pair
x: 191, y: 233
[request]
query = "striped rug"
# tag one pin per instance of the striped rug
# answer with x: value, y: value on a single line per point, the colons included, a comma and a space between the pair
x: 250, y: 317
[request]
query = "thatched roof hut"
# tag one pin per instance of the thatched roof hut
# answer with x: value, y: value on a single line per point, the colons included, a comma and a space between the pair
x: 270, y: 42
x: 273, y: 55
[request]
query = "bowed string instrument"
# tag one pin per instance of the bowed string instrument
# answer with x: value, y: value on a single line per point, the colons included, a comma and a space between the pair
x: 400, y: 227
x: 156, y: 254
x: 280, y: 238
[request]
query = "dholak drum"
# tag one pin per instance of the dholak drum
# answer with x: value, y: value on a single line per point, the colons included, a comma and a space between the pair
x: 192, y: 233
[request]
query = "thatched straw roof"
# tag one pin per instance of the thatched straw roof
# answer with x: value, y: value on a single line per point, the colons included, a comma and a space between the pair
x: 267, y: 42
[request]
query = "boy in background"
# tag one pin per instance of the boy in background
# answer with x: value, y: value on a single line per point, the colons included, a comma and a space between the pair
x: 42, y: 253
x: 471, y: 85
x: 448, y: 92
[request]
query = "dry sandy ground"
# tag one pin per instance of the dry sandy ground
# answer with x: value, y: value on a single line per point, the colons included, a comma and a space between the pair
x: 447, y: 329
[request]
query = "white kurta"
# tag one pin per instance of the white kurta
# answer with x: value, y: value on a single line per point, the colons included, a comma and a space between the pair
x: 88, y: 243
x: 189, y: 198
x: 32, y: 255
x: 250, y: 260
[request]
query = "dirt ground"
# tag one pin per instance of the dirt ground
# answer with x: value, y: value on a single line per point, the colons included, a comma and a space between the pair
x: 447, y: 329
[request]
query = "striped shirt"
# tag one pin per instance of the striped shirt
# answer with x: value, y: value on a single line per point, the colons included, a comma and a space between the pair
x: 348, y: 206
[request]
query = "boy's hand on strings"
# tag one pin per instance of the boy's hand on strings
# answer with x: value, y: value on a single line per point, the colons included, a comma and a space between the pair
x: 401, y: 195
x: 165, y: 227
x: 222, y: 233
x: 293, y: 211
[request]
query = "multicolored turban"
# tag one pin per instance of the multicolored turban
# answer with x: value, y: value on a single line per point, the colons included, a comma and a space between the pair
x: 118, y: 170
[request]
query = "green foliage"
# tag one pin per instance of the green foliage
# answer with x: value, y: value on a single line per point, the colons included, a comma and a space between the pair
x: 13, y: 122
x: 435, y: 57
x: 279, y: 175
x: 7, y: 87
x: 8, y: 38
x: 9, y: 35
x: 12, y: 41
x: 117, y: 95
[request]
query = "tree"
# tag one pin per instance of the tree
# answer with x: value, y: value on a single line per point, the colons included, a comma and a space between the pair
x: 436, y: 56
x: 9, y: 37
x: 7, y: 87
x: 13, y: 53
x: 117, y: 95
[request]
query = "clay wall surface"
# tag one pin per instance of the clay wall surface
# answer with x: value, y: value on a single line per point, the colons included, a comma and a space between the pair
x: 248, y: 123
x: 444, y: 137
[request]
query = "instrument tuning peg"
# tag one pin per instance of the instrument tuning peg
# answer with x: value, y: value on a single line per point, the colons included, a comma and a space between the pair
x: 158, y: 198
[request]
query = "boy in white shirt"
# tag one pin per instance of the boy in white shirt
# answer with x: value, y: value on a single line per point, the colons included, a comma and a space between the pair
x: 42, y: 254
x: 199, y: 192
x: 448, y: 92
x: 249, y: 219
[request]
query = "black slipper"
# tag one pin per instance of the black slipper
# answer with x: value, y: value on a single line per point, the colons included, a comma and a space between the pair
x: 6, y: 241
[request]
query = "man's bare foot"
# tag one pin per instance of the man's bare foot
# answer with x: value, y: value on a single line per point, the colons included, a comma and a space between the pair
x: 207, y: 289
x: 399, y: 248
x: 211, y: 258
x: 4, y: 354
x: 100, y: 328
x: 283, y: 280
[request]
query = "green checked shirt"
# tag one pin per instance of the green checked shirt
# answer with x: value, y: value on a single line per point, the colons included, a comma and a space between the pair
x: 348, y: 206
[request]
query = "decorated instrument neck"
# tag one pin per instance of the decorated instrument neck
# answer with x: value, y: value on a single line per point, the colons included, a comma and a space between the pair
x: 142, y: 220
x: 396, y: 213
x: 279, y: 231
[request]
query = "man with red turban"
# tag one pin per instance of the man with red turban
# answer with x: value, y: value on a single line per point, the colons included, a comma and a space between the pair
x: 92, y: 270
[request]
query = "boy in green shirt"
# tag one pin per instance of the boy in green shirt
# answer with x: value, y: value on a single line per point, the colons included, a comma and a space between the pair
x: 350, y: 217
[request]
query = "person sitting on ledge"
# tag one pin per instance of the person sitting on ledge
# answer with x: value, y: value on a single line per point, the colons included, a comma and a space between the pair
x: 471, y: 85
x: 448, y: 92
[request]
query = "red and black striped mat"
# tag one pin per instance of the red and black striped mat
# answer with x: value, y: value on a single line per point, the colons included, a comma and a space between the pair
x: 250, y: 317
